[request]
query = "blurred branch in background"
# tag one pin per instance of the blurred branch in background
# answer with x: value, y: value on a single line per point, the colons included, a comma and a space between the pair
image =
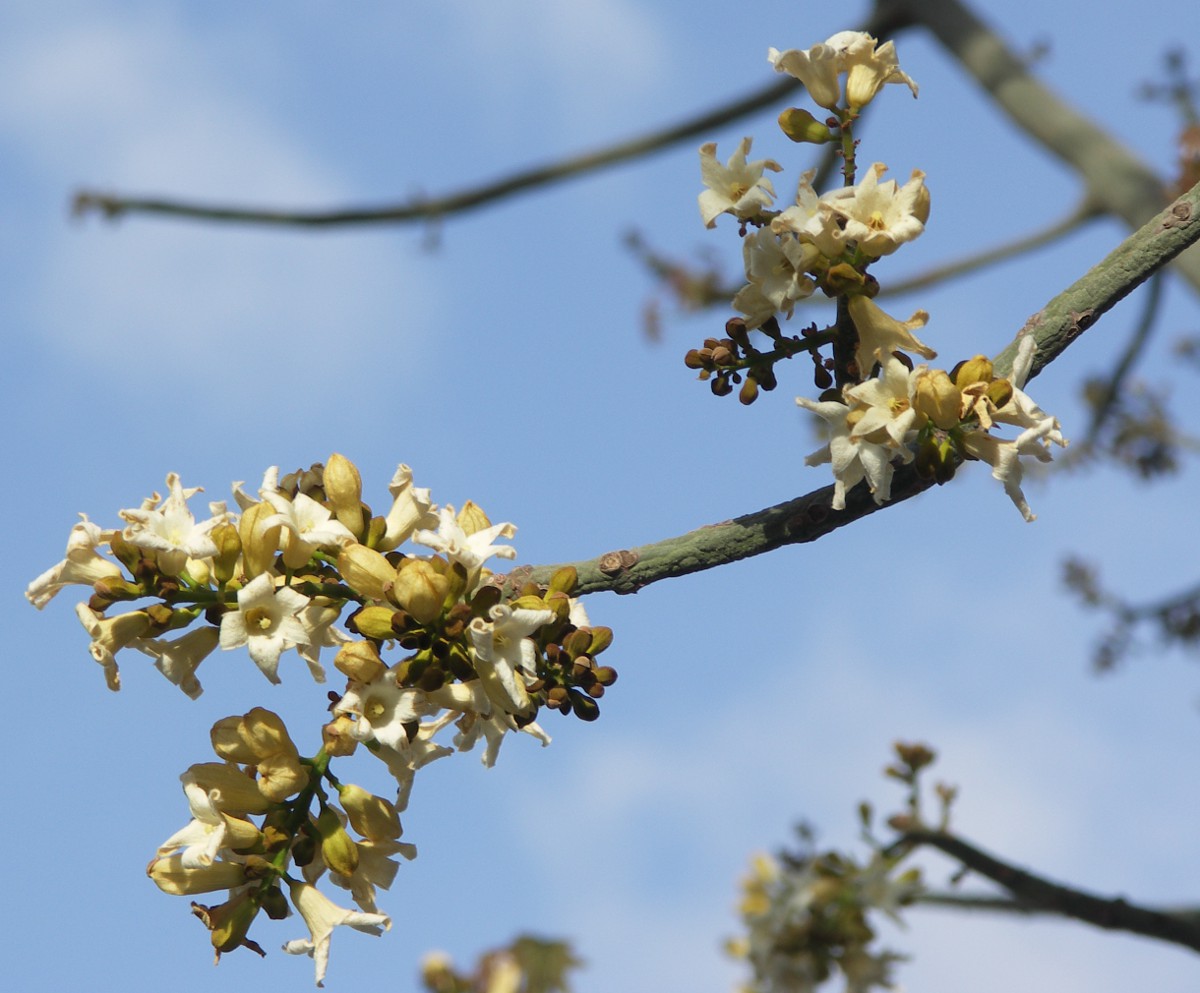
x: 1039, y: 893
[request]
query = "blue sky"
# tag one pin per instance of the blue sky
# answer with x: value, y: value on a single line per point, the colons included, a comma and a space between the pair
x: 501, y: 354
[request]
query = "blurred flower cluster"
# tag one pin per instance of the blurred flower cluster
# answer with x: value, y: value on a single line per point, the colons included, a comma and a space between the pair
x: 480, y: 659
x: 878, y: 407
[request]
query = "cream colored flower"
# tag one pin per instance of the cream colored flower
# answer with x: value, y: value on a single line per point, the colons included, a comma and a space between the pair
x: 266, y: 623
x: 322, y: 915
x: 83, y: 564
x: 879, y: 332
x: 867, y: 64
x: 880, y: 217
x: 169, y: 530
x: 738, y: 187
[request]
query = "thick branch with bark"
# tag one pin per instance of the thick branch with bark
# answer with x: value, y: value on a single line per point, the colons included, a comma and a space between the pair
x: 1055, y: 327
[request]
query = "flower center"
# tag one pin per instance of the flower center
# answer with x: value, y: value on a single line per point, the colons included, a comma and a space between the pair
x: 259, y: 619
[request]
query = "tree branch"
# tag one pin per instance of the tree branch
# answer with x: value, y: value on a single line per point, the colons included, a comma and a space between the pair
x: 1116, y: 179
x: 1189, y: 916
x: 1042, y: 894
x: 810, y: 517
x: 882, y: 22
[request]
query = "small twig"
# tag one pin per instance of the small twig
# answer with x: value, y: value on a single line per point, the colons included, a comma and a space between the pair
x: 1113, y: 914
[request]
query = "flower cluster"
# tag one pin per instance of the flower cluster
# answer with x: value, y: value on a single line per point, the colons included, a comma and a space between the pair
x: 480, y: 658
x: 807, y: 919
x: 878, y: 408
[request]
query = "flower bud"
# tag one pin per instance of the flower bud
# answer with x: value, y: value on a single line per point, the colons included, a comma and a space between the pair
x: 343, y: 490
x: 170, y: 876
x: 1000, y: 391
x: 800, y: 125
x: 371, y: 816
x: 236, y: 792
x: 421, y: 589
x: 229, y: 922
x: 259, y: 545
x: 564, y: 580
x: 471, y: 518
x: 366, y: 571
x: 375, y: 622
x: 281, y: 776
x: 265, y: 734
x: 601, y: 638
x: 336, y: 737
x: 228, y: 743
x: 841, y: 279
x: 976, y: 370
x: 938, y: 399
x: 337, y: 849
x: 359, y: 660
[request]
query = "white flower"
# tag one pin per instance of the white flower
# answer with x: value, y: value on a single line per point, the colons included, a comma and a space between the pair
x: 880, y: 217
x: 265, y: 622
x: 492, y: 727
x: 83, y: 564
x: 322, y: 915
x: 317, y: 619
x: 852, y: 459
x: 812, y: 219
x: 883, y: 410
x: 737, y: 187
x: 817, y: 68
x: 309, y: 525
x: 383, y: 707
x: 867, y: 67
x: 210, y: 830
x: 411, y: 509
x: 470, y: 551
x: 178, y: 659
x: 169, y: 529
x: 504, y: 651
x: 776, y: 265
x: 1005, y: 456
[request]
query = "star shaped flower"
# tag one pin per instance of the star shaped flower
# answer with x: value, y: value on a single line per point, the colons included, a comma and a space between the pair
x: 738, y: 187
x: 266, y: 623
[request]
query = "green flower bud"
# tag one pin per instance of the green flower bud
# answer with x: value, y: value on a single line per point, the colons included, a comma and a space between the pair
x: 800, y: 125
x: 337, y: 849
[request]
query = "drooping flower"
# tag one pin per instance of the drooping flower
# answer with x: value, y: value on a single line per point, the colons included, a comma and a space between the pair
x: 178, y: 659
x: 83, y: 564
x: 412, y: 509
x: 738, y: 187
x: 322, y: 915
x: 868, y: 65
x: 265, y: 622
x: 880, y: 333
x: 111, y: 634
